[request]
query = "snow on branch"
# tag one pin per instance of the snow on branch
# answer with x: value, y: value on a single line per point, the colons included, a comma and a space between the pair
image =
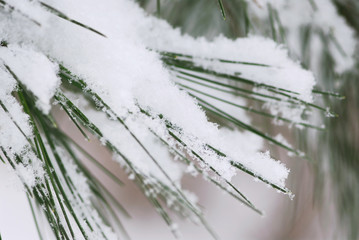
x: 152, y: 89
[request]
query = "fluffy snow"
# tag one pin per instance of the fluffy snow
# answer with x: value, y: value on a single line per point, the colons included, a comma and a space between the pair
x: 322, y: 18
x: 125, y: 73
x: 24, y: 63
x: 12, y: 141
x: 282, y: 72
x: 125, y: 70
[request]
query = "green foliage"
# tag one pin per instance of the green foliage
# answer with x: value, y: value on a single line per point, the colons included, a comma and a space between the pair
x: 340, y: 140
x: 57, y: 195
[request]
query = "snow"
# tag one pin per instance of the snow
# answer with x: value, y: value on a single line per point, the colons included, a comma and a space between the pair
x: 282, y: 72
x: 24, y: 63
x: 12, y: 141
x: 323, y: 19
x: 103, y: 61
x: 125, y: 70
x: 82, y: 205
x: 126, y: 75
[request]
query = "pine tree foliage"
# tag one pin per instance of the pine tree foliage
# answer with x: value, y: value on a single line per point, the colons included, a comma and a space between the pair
x: 142, y: 89
x: 320, y: 47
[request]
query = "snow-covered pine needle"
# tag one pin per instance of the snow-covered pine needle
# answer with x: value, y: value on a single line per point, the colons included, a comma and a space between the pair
x: 128, y: 80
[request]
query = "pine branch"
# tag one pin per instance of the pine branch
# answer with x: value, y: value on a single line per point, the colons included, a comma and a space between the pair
x: 57, y: 193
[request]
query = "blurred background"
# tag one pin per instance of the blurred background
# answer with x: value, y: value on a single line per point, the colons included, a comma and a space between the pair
x: 326, y: 203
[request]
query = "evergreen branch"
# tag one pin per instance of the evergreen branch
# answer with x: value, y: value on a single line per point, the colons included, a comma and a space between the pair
x: 241, y: 124
x: 250, y: 109
x: 139, y: 177
x: 63, y: 16
x: 222, y: 9
x: 186, y: 57
x: 158, y: 8
x: 60, y: 97
x: 188, y: 162
x: 34, y: 217
x: 4, y: 4
x: 66, y: 75
x: 56, y: 193
x: 77, y: 82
